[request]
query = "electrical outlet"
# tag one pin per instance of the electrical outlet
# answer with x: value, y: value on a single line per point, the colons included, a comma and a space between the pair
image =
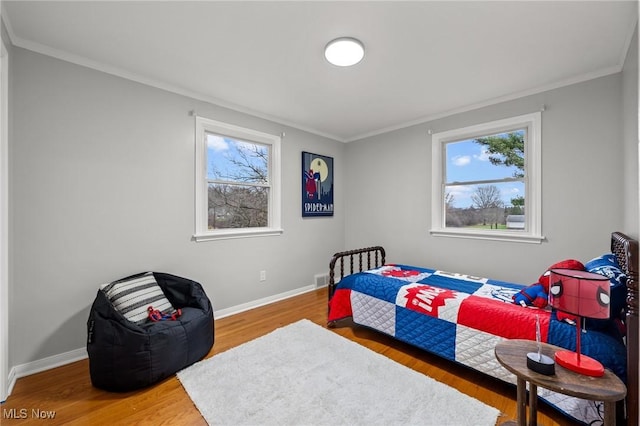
x: 263, y: 275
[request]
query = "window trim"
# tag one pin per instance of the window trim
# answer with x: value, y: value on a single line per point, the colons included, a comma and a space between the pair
x: 533, y: 180
x: 202, y: 233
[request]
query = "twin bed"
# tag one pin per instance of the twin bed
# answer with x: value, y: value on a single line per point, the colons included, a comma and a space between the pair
x: 461, y: 318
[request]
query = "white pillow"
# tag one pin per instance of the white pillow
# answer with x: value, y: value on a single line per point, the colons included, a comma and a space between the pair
x: 133, y: 297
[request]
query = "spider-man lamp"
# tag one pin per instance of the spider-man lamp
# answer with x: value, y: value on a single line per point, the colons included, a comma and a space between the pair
x: 582, y: 294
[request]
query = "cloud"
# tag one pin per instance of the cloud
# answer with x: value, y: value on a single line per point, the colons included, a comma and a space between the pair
x: 461, y: 160
x: 217, y: 143
x: 483, y: 156
x: 461, y: 194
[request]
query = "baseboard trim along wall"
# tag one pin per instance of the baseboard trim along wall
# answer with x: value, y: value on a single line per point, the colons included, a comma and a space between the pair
x: 261, y: 302
x: 44, y: 364
x: 79, y: 354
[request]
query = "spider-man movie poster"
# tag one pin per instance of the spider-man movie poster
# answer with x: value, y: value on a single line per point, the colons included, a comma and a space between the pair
x: 317, y: 185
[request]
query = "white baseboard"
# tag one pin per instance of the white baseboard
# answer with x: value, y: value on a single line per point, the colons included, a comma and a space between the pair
x: 59, y: 360
x: 44, y: 364
x: 262, y: 302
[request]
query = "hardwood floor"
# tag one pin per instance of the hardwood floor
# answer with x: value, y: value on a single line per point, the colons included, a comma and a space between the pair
x: 67, y: 392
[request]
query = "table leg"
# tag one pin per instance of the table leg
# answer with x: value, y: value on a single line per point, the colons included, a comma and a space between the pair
x: 533, y: 404
x: 522, y: 402
x: 609, y: 413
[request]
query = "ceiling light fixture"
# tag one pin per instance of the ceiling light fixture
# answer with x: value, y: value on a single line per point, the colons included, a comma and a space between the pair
x: 344, y: 51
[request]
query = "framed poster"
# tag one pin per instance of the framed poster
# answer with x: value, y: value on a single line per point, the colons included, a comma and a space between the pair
x: 317, y: 185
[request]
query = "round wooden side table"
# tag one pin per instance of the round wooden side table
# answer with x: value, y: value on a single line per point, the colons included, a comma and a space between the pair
x: 512, y: 354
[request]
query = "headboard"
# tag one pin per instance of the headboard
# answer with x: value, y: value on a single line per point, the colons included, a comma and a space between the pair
x: 626, y: 250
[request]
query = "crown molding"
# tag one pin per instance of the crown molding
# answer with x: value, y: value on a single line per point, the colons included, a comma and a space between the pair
x: 494, y: 101
x: 119, y: 72
x: 158, y: 84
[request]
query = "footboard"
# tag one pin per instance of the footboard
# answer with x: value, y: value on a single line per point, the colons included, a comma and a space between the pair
x: 374, y: 257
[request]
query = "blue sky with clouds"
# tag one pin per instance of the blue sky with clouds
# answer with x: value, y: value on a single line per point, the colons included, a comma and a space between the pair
x: 468, y: 161
x: 223, y: 151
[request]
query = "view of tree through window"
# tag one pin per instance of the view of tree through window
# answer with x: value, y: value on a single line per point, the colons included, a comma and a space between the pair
x: 485, y: 182
x: 238, y: 183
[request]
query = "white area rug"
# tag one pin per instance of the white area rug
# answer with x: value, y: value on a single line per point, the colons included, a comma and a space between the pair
x: 303, y: 374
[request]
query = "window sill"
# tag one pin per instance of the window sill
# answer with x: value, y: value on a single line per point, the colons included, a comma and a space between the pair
x: 511, y: 236
x: 237, y: 233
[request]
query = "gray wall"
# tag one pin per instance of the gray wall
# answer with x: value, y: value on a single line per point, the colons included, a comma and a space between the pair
x: 389, y: 185
x: 630, y: 136
x: 102, y: 186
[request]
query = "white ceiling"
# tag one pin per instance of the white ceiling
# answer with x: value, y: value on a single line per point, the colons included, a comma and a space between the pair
x: 423, y: 60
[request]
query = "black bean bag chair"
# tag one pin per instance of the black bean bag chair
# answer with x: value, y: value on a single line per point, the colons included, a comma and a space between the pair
x: 127, y: 354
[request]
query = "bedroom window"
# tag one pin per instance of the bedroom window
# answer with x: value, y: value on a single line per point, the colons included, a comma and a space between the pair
x: 486, y: 180
x: 237, y: 182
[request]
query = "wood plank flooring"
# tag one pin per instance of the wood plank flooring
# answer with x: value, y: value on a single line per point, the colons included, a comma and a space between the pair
x: 67, y: 391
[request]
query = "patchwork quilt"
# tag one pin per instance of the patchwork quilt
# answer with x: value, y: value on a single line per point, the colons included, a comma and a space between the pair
x: 461, y: 318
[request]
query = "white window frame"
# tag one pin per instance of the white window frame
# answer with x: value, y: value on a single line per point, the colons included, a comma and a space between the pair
x: 202, y: 233
x: 533, y: 182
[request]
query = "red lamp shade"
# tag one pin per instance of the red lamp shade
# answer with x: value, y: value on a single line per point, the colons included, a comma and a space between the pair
x: 583, y: 294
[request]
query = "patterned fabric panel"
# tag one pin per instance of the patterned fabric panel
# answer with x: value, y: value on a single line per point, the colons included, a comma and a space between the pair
x: 400, y: 273
x: 132, y: 297
x: 375, y: 313
x: 475, y: 349
x: 431, y: 301
x: 590, y: 412
x: 383, y: 288
x: 340, y: 305
x: 426, y: 332
x: 502, y: 319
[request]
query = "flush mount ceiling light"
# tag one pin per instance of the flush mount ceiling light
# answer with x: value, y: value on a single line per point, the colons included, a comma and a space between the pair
x: 344, y: 51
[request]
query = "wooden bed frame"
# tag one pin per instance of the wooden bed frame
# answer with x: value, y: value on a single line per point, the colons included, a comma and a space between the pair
x: 626, y: 250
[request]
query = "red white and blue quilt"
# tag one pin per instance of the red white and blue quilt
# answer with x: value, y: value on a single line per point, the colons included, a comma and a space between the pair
x: 461, y: 318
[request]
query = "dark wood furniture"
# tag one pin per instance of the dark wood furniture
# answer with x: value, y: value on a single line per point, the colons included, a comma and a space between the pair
x: 626, y: 251
x: 374, y: 257
x: 512, y: 354
x: 624, y: 247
